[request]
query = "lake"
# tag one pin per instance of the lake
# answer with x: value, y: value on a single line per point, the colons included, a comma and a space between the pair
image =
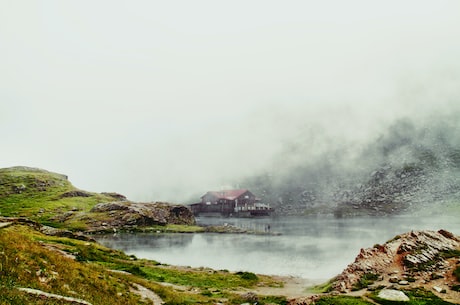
x: 315, y: 248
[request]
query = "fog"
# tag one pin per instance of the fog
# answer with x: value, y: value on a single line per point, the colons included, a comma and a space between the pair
x: 167, y: 100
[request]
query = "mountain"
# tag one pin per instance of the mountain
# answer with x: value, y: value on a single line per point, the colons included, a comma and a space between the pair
x: 412, y: 165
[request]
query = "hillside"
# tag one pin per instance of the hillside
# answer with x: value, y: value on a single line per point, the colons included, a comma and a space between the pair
x: 411, y: 166
x: 36, y: 268
x: 51, y: 199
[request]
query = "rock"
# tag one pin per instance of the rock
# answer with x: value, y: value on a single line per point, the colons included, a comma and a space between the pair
x: 116, y: 196
x: 436, y: 275
x: 419, y: 253
x: 127, y: 215
x: 46, y: 295
x: 439, y: 289
x: 374, y: 287
x: 110, y: 206
x: 18, y: 189
x: 250, y: 297
x: 75, y: 194
x: 393, y: 295
x: 62, y: 233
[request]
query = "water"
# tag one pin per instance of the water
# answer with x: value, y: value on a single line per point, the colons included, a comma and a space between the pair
x: 312, y: 248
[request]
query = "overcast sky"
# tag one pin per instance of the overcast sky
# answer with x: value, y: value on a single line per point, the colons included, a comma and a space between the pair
x: 159, y: 100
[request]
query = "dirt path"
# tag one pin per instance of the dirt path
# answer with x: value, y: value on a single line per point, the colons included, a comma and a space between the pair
x: 147, y: 294
x: 293, y: 287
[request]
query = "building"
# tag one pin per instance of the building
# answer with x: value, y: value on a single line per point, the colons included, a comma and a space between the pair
x: 239, y: 203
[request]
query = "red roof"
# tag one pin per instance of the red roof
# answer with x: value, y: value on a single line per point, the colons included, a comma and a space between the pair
x: 228, y: 194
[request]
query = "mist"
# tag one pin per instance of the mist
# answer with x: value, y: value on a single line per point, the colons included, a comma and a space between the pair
x: 165, y: 101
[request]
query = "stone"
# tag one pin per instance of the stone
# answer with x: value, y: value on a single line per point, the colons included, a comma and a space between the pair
x: 403, y: 283
x: 393, y: 295
x: 439, y: 289
x: 76, y: 194
x: 436, y: 275
x: 45, y: 295
x: 250, y: 297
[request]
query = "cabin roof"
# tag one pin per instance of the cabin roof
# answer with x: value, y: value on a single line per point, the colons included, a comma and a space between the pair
x: 227, y: 194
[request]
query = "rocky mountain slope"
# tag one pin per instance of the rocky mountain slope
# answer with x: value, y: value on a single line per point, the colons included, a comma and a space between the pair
x: 424, y: 260
x: 411, y: 166
x: 51, y: 199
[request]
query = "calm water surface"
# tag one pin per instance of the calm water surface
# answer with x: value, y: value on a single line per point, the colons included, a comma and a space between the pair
x: 313, y: 248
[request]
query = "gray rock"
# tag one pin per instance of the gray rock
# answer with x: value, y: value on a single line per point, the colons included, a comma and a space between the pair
x: 393, y: 295
x: 439, y: 289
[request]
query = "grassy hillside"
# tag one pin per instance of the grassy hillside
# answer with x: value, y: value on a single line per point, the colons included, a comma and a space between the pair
x: 50, y: 199
x: 43, y: 196
x: 98, y: 275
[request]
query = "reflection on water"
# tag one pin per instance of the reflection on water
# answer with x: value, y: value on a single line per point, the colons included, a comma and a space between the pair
x: 314, y: 248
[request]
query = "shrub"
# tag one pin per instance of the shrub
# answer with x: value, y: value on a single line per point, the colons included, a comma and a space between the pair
x: 366, y: 280
x: 457, y: 273
x: 248, y: 276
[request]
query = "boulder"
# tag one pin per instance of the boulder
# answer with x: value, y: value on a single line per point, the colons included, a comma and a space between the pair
x: 116, y: 196
x: 393, y: 295
x: 75, y: 194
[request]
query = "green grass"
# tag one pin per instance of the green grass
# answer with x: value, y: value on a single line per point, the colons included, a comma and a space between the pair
x: 204, y: 279
x: 25, y: 262
x: 322, y: 288
x: 173, y: 228
x: 38, y: 195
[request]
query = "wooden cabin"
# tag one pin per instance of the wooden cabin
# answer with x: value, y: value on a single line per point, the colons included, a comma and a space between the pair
x: 239, y: 202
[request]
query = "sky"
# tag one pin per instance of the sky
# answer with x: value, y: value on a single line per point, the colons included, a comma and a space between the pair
x: 162, y: 100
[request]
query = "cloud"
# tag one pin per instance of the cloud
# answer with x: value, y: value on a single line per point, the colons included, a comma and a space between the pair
x: 164, y: 100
